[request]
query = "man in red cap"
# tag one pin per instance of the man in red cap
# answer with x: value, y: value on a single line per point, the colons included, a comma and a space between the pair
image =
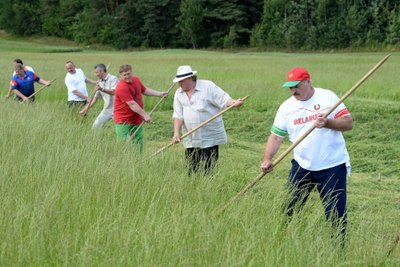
x: 321, y: 159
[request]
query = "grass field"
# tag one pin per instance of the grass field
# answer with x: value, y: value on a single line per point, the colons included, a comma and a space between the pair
x: 70, y: 196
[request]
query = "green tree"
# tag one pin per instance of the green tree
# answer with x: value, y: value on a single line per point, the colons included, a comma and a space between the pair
x: 21, y: 17
x: 356, y: 23
x: 230, y: 40
x: 220, y: 16
x: 393, y: 31
x: 270, y: 31
x: 159, y: 25
x: 298, y: 23
x: 378, y: 22
x: 6, y: 15
x: 330, y: 21
x: 190, y: 22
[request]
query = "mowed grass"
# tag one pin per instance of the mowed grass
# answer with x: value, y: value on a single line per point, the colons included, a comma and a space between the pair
x: 72, y: 196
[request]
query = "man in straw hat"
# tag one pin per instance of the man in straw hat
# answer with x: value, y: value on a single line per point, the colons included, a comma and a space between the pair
x: 196, y: 101
x: 128, y: 106
x: 321, y: 159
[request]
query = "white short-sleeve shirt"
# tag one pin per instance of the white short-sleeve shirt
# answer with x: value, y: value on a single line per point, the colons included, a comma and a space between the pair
x: 207, y: 100
x: 323, y: 148
x: 76, y: 81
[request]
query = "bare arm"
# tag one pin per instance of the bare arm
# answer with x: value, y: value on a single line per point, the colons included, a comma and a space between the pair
x: 236, y: 103
x: 44, y: 82
x: 272, y: 147
x: 110, y: 91
x: 177, y: 129
x: 79, y: 94
x: 152, y: 92
x: 107, y: 91
x: 344, y: 123
x: 137, y: 109
x: 87, y: 80
x: 19, y: 94
x: 88, y: 106
x: 109, y: 88
x: 10, y: 91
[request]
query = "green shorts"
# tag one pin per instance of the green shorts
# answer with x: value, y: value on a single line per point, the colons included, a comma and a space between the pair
x: 124, y: 132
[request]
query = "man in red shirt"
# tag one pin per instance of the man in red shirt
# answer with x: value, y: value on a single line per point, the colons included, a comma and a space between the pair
x: 128, y: 105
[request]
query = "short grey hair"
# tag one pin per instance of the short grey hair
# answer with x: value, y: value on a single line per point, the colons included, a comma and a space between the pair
x: 101, y: 67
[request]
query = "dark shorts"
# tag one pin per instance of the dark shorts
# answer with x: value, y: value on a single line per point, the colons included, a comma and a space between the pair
x: 76, y: 104
x: 201, y: 159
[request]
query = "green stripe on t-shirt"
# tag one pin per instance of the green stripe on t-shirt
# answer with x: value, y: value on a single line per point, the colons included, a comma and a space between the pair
x: 278, y: 131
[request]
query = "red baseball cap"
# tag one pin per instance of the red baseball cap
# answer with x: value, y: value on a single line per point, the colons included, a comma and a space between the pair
x: 295, y: 76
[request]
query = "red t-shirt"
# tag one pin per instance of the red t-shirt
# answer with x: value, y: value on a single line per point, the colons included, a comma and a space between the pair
x: 126, y: 92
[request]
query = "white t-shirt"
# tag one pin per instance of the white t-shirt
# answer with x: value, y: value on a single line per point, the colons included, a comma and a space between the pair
x: 207, y: 100
x: 76, y: 81
x: 323, y: 148
x: 109, y: 83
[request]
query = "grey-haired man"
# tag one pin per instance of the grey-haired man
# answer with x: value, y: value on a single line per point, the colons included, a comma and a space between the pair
x: 105, y: 88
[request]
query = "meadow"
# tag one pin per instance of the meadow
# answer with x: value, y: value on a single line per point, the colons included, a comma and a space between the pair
x: 74, y: 197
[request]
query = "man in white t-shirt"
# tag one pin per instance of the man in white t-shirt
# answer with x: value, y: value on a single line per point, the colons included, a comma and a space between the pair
x: 105, y: 89
x: 321, y: 159
x: 75, y: 80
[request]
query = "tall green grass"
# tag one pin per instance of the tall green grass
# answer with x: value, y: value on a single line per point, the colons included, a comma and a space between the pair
x: 73, y: 196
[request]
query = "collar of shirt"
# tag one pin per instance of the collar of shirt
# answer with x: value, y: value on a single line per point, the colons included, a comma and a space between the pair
x: 195, y: 89
x: 26, y: 76
x: 105, y: 79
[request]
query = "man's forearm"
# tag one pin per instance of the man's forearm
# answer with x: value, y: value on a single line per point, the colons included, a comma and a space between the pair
x: 79, y: 94
x: 136, y: 108
x: 340, y: 124
x: 19, y: 94
x: 92, y: 102
x: 108, y: 91
x: 272, y: 147
x: 90, y: 81
x: 44, y: 82
x: 152, y: 92
x: 177, y: 126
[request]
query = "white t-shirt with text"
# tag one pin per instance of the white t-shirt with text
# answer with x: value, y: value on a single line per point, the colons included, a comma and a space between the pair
x: 323, y: 148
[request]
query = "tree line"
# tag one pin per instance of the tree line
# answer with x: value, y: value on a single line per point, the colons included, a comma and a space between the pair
x: 283, y: 24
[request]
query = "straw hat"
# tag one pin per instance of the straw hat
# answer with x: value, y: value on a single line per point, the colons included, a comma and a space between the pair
x: 184, y: 72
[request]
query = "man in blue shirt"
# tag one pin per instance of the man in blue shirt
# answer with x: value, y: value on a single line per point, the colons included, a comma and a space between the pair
x: 22, y: 83
x: 16, y: 61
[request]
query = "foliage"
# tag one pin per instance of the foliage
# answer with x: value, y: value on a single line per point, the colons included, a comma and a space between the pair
x: 136, y: 23
x: 190, y: 22
x: 306, y: 24
x: 321, y: 24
